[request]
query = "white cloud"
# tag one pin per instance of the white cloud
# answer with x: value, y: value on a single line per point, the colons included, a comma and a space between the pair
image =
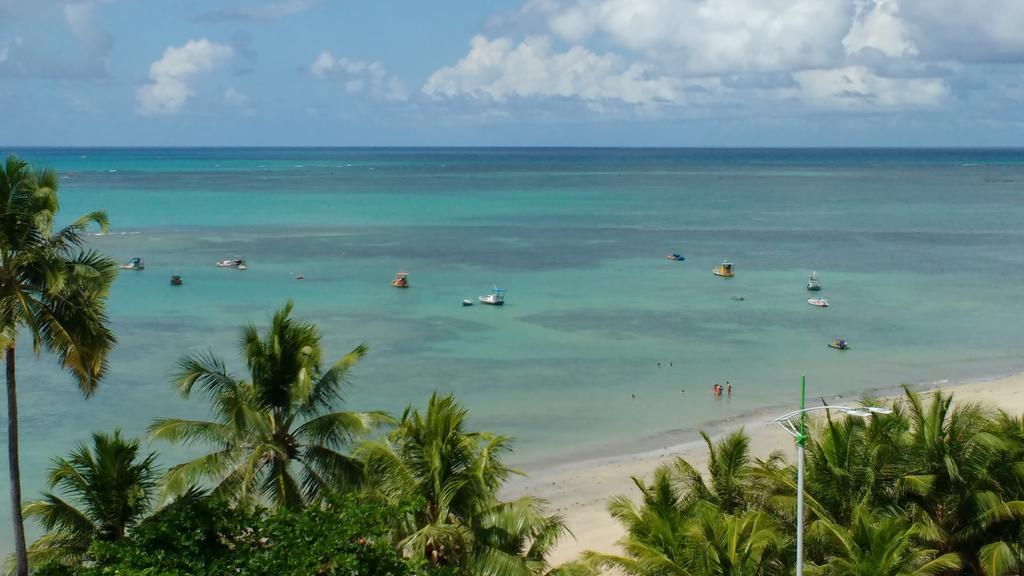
x: 878, y: 26
x: 359, y: 76
x: 498, y: 69
x: 858, y: 88
x: 234, y: 97
x: 715, y: 36
x: 93, y: 41
x: 979, y: 30
x: 169, y: 76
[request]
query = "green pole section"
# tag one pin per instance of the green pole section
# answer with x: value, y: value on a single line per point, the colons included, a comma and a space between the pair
x: 803, y: 398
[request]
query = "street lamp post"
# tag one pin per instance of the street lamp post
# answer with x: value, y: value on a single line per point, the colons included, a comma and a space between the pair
x: 798, y: 430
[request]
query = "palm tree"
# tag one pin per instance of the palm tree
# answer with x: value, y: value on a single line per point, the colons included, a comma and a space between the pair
x: 51, y: 290
x: 655, y: 542
x: 853, y: 461
x: 431, y: 458
x: 685, y: 525
x: 742, y: 544
x: 103, y: 492
x: 878, y: 545
x: 962, y: 482
x: 280, y: 419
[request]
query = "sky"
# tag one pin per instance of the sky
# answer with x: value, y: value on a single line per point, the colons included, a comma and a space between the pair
x: 512, y: 72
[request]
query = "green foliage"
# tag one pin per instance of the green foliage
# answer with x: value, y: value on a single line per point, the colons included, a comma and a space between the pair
x: 102, y: 491
x: 53, y: 291
x: 197, y: 535
x: 455, y: 475
x: 931, y: 489
x: 279, y: 421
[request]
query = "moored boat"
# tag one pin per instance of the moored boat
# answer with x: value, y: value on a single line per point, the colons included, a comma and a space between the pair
x: 839, y: 344
x: 812, y: 282
x: 401, y: 280
x: 819, y: 302
x: 176, y: 280
x: 724, y: 270
x: 467, y: 302
x: 495, y: 298
x: 236, y: 262
x: 133, y: 264
x: 675, y: 257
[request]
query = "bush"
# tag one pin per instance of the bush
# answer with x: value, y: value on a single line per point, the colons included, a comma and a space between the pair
x: 197, y: 535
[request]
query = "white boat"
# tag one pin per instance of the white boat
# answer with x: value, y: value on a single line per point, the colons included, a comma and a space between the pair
x: 812, y: 282
x: 819, y: 302
x: 133, y: 264
x: 495, y: 298
x: 467, y: 302
x: 236, y: 262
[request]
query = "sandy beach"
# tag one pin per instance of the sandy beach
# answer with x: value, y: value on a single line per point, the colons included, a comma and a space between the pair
x: 579, y: 490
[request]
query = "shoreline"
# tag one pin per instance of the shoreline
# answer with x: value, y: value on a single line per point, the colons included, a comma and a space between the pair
x: 578, y: 489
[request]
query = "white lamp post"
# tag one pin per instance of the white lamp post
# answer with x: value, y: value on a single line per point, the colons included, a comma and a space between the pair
x: 798, y: 430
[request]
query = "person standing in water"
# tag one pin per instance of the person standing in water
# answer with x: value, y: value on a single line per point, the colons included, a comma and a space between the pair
x: 728, y: 389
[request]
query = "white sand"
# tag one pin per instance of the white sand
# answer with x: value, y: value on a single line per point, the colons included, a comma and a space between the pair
x: 579, y: 491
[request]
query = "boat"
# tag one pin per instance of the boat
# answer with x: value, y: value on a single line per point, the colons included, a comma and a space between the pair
x: 724, y: 270
x: 236, y: 262
x: 401, y: 280
x: 676, y: 257
x: 819, y: 302
x: 812, y: 282
x: 738, y: 298
x: 495, y: 298
x: 839, y: 344
x: 176, y: 280
x: 133, y: 264
x: 467, y: 302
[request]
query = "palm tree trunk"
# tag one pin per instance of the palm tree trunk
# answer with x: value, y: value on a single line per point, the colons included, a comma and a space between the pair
x: 12, y: 462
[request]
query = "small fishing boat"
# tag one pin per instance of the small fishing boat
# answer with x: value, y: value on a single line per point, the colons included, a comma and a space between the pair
x: 738, y: 298
x: 495, y: 298
x: 133, y: 264
x: 176, y: 280
x: 839, y: 344
x: 724, y: 270
x: 401, y: 280
x: 675, y: 257
x: 236, y: 262
x: 812, y: 282
x: 467, y: 302
x: 819, y: 302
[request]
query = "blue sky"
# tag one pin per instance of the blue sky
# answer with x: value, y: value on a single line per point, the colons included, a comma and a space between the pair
x: 512, y: 72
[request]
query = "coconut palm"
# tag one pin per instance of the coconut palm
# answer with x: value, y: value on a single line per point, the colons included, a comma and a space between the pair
x: 878, y: 545
x: 742, y: 544
x: 51, y: 290
x: 853, y: 461
x: 686, y: 525
x: 964, y: 471
x: 280, y: 420
x: 431, y: 458
x: 655, y: 542
x: 97, y: 493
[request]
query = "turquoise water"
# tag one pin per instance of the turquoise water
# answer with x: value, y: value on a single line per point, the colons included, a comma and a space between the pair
x: 919, y: 251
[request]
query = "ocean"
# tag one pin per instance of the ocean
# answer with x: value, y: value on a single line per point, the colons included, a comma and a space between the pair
x: 603, y: 345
